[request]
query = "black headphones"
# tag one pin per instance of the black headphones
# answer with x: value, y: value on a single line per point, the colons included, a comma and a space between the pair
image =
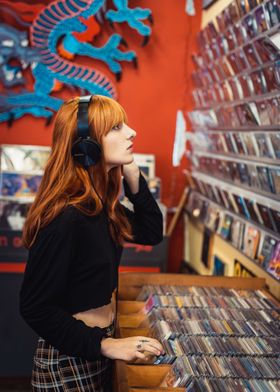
x: 85, y: 150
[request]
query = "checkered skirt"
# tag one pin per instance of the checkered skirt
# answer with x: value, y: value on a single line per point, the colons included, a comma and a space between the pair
x: 55, y: 372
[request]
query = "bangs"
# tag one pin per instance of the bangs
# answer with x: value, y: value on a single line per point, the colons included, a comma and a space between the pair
x: 105, y: 113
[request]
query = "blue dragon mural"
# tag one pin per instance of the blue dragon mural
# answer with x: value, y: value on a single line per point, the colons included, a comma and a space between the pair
x: 54, y: 39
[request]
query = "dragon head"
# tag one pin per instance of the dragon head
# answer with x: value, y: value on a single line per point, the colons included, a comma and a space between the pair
x: 15, y: 55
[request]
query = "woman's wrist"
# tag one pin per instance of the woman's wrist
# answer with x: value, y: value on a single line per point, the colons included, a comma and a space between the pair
x: 131, y: 174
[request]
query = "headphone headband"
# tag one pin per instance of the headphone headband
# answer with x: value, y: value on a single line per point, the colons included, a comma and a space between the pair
x: 82, y: 117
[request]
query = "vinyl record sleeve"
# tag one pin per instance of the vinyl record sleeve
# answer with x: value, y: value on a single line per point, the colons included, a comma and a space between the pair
x: 23, y: 158
x: 237, y: 230
x: 19, y: 185
x: 273, y: 11
x: 276, y: 219
x: 261, y: 19
x: 263, y: 146
x: 264, y: 110
x: 273, y: 266
x: 13, y: 214
x: 251, y: 241
x: 267, y: 247
x: 275, y: 174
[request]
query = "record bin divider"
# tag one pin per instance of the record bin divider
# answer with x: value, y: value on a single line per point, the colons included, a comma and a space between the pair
x: 132, y: 321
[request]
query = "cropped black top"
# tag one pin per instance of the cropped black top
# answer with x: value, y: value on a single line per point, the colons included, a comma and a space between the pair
x: 73, y: 266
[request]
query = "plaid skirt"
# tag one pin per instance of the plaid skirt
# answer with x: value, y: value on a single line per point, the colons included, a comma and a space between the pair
x: 55, y: 372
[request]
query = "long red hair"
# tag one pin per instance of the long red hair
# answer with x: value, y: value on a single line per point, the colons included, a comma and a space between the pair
x: 66, y: 183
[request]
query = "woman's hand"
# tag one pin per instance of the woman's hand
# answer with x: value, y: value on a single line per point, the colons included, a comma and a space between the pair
x: 131, y: 174
x: 130, y: 349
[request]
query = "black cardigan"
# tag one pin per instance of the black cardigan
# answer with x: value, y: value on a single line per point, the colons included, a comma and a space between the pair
x: 73, y: 266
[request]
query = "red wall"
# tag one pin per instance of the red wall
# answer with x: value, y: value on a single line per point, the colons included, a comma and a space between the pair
x: 151, y: 95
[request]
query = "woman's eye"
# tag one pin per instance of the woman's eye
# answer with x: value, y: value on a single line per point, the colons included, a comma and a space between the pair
x: 117, y: 127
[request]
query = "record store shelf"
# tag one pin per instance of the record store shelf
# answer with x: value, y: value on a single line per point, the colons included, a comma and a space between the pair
x: 133, y: 321
x: 270, y: 199
x: 261, y: 161
x: 256, y: 267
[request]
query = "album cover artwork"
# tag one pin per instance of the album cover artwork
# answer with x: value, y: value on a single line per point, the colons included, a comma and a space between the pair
x: 237, y: 232
x: 263, y: 146
x: 230, y: 39
x: 232, y: 201
x: 213, y: 218
x: 246, y: 85
x: 24, y: 158
x: 261, y: 19
x: 240, y: 33
x: 266, y: 216
x: 248, y: 114
x: 264, y: 112
x: 251, y: 55
x: 273, y: 10
x: 227, y: 93
x: 225, y: 226
x: 250, y: 25
x: 273, y: 266
x: 251, y: 210
x: 240, y: 145
x: 266, y: 49
x: 243, y: 7
x: 222, y: 44
x: 229, y: 142
x: 271, y: 75
x: 275, y: 219
x: 254, y: 177
x: 259, y: 82
x: 244, y: 174
x: 251, y: 241
x: 274, y: 110
x: 250, y: 143
x: 19, y: 185
x: 236, y: 89
x: 267, y: 248
x: 233, y: 60
x: 275, y: 174
x: 233, y: 13
x: 242, y: 60
x: 241, y: 205
x: 13, y: 214
x: 265, y: 179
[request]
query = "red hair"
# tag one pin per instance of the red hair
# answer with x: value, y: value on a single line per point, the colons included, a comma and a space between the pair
x: 66, y: 183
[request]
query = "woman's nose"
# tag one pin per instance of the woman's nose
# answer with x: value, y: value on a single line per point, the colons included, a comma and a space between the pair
x: 132, y: 133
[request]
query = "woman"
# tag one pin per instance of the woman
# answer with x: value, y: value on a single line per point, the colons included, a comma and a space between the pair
x: 74, y: 231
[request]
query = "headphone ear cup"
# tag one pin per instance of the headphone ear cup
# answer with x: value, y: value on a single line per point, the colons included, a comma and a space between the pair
x: 86, y: 152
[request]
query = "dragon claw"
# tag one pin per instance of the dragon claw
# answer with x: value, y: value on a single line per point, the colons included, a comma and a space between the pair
x: 111, y: 24
x: 151, y: 19
x: 11, y: 120
x: 135, y: 62
x: 49, y: 120
x: 145, y: 40
x: 118, y: 76
x: 124, y: 43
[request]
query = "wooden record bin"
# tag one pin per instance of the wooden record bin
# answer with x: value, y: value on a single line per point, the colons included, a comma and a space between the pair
x: 133, y: 322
